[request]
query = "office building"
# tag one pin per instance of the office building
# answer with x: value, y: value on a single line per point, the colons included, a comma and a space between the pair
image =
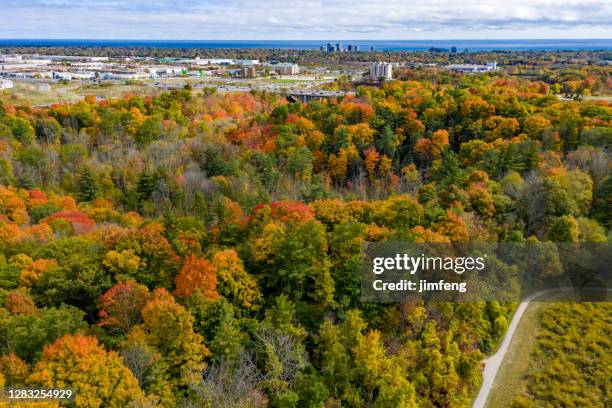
x: 339, y: 47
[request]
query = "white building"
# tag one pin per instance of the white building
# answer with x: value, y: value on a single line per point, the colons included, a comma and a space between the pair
x: 380, y: 70
x: 208, y: 61
x: 473, y: 68
x: 11, y: 58
x: 24, y: 64
x: 6, y: 83
x: 125, y: 75
x: 75, y: 58
x: 247, y: 62
x: 69, y: 76
x: 157, y: 71
x: 286, y: 69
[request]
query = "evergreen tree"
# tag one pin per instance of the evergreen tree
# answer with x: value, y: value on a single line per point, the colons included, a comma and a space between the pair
x: 145, y: 187
x: 88, y: 189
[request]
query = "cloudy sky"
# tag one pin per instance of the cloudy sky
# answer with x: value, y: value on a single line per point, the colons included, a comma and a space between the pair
x: 305, y: 19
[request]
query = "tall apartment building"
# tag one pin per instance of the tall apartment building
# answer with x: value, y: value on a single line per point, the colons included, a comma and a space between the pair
x: 380, y: 70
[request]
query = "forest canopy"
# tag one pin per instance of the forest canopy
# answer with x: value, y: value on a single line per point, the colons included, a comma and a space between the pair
x: 204, y: 249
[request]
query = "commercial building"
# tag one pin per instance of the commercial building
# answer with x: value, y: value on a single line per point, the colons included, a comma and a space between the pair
x: 212, y: 61
x: 473, y: 68
x: 69, y: 76
x: 73, y: 58
x: 246, y: 62
x: 125, y: 75
x: 158, y: 71
x: 380, y: 70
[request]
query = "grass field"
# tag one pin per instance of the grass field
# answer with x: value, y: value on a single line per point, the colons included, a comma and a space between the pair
x: 28, y: 93
x: 511, y: 375
x: 44, y: 94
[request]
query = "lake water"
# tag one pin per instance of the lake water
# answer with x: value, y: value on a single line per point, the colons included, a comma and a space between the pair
x: 364, y: 45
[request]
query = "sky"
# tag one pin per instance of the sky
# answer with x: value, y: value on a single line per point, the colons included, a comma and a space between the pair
x: 306, y: 20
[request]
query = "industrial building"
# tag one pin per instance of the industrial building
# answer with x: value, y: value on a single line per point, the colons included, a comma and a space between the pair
x: 473, y: 68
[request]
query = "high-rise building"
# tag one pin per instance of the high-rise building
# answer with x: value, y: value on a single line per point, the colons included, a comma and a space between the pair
x: 339, y: 47
x: 379, y: 70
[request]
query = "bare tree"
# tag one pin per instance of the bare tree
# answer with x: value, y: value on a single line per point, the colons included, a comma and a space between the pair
x: 138, y: 358
x: 230, y: 385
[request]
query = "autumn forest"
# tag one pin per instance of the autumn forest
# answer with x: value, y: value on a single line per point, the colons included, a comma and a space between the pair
x: 196, y: 249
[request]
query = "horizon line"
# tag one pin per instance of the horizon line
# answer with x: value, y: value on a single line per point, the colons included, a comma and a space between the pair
x: 304, y: 40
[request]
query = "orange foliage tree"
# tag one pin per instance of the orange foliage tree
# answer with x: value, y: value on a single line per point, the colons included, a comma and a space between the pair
x: 120, y: 306
x: 196, y: 274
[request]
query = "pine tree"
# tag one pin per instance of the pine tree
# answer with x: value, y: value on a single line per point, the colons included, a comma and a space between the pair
x: 88, y: 189
x: 145, y: 187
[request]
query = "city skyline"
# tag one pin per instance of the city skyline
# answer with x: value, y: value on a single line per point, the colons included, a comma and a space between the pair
x: 308, y: 20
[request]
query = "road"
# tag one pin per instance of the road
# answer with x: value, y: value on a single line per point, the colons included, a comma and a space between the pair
x: 493, y: 363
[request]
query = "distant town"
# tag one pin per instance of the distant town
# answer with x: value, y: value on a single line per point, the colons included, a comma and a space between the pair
x: 45, y: 76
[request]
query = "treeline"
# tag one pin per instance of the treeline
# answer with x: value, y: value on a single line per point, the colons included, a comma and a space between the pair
x: 558, y: 58
x: 206, y: 250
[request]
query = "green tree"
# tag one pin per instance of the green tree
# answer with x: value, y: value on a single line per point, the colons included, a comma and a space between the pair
x: 564, y: 229
x: 88, y: 189
x: 26, y: 334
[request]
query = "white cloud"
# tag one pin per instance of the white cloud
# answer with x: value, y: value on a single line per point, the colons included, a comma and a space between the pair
x: 301, y: 19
